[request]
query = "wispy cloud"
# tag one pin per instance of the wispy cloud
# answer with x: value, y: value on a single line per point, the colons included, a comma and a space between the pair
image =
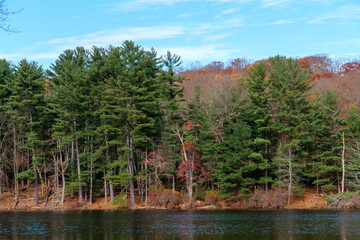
x: 346, y: 14
x: 275, y: 3
x: 199, y: 53
x: 134, y: 5
x: 117, y: 36
x: 228, y: 11
x: 185, y: 15
x: 284, y: 21
x: 348, y: 42
x: 205, y: 33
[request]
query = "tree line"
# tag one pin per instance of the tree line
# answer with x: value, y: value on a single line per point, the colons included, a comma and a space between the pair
x: 105, y: 121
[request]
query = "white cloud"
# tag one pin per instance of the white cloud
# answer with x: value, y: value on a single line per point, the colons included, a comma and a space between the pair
x: 117, y: 36
x: 284, y: 21
x: 140, y: 4
x: 346, y: 14
x: 185, y: 15
x: 14, y: 56
x: 349, y: 42
x: 199, y: 53
x: 205, y: 33
x: 228, y: 11
x: 134, y: 5
x: 216, y: 37
x: 275, y: 3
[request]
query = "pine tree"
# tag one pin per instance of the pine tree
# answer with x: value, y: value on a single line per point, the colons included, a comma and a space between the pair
x: 260, y: 113
x: 26, y: 106
x: 322, y: 142
x: 69, y: 99
x: 6, y: 144
x: 289, y: 100
x: 172, y: 95
x: 234, y: 170
x: 353, y: 143
x: 130, y: 101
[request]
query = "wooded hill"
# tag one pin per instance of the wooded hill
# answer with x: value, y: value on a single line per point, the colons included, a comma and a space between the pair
x: 102, y: 122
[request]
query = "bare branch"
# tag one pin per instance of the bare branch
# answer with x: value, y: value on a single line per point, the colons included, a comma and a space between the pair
x: 4, y: 15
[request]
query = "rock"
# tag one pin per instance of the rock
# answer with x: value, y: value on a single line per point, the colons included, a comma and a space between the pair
x: 207, y: 207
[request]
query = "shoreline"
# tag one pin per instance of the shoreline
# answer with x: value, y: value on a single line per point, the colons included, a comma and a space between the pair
x: 308, y: 201
x: 110, y: 207
x: 167, y: 209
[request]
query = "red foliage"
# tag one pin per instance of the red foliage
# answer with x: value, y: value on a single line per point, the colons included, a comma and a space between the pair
x: 157, y: 159
x: 200, y: 173
x: 349, y: 67
x: 74, y: 203
x: 239, y: 63
x: 215, y: 66
x: 189, y: 125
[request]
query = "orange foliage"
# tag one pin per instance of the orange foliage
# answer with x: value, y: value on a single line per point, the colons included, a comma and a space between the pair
x: 349, y: 68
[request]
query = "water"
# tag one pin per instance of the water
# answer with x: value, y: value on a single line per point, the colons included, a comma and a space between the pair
x: 163, y: 224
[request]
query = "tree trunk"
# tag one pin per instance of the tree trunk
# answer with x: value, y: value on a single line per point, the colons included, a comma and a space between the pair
x: 36, y: 187
x: 173, y: 182
x: 56, y: 166
x: 290, y: 177
x: 105, y: 189
x: 266, y: 173
x: 190, y: 189
x: 146, y: 185
x: 343, y: 164
x: 91, y: 188
x: 91, y: 173
x: 131, y: 169
x: 0, y: 184
x: 16, y: 166
x: 78, y: 163
x: 266, y: 183
x: 63, y: 168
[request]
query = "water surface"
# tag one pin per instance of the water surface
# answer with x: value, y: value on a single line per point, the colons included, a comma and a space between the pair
x: 164, y: 224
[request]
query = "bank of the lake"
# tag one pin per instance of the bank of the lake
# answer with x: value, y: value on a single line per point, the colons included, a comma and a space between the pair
x: 26, y: 202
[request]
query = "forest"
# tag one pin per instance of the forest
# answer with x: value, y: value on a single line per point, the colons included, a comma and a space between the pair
x: 129, y: 125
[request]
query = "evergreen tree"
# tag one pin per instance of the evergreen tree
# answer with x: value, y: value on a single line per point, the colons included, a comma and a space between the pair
x: 130, y: 100
x: 6, y: 143
x: 234, y: 170
x: 172, y: 95
x: 26, y: 106
x: 260, y: 115
x: 353, y: 156
x: 289, y: 90
x: 69, y: 99
x: 322, y: 143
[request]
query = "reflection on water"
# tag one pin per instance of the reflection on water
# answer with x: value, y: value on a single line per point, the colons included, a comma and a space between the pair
x: 151, y: 224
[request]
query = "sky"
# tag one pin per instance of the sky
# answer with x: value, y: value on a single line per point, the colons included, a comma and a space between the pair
x: 198, y: 30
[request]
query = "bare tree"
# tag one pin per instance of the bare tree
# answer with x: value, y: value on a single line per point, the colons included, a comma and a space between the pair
x: 4, y: 15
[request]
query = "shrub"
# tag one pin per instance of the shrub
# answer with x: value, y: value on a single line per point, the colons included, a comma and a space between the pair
x: 332, y: 198
x: 212, y: 197
x: 343, y: 200
x: 200, y: 194
x: 169, y: 198
x: 120, y: 200
x: 73, y: 203
x: 298, y: 191
x: 276, y: 198
x: 184, y: 199
x: 353, y: 202
x: 328, y: 187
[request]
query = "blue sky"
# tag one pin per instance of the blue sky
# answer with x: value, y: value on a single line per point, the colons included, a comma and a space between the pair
x: 197, y: 30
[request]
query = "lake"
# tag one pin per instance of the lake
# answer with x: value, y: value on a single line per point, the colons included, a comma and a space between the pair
x: 172, y: 224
